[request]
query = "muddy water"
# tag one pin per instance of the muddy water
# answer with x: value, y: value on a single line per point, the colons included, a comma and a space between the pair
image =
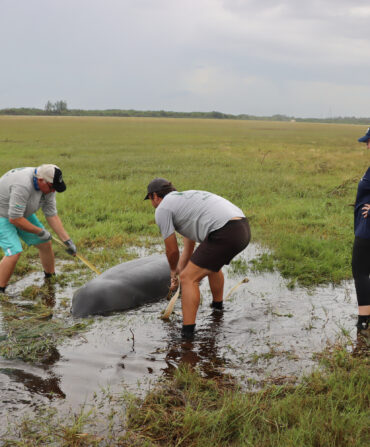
x: 267, y: 333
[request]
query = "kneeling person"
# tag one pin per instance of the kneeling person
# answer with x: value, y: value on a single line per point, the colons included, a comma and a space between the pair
x: 22, y: 192
x: 219, y: 226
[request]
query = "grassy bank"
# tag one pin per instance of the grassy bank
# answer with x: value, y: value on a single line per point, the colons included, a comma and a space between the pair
x: 329, y: 408
x: 295, y: 181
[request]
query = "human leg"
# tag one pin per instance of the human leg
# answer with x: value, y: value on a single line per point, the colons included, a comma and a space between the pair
x: 361, y: 275
x: 7, y: 266
x: 216, y: 284
x: 190, y: 294
x: 12, y: 247
x: 45, y: 248
x: 47, y: 257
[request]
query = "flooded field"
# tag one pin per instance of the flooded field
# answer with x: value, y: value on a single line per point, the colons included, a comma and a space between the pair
x: 266, y: 333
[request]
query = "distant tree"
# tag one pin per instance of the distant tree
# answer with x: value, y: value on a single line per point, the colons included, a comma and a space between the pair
x: 58, y: 107
x: 49, y: 107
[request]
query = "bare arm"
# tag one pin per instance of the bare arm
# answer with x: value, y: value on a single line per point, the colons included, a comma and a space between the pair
x: 173, y: 255
x: 23, y: 224
x: 172, y: 252
x: 57, y: 226
x: 186, y: 254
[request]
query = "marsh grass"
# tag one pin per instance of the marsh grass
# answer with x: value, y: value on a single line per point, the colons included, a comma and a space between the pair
x: 31, y: 332
x: 294, y: 181
x: 329, y: 408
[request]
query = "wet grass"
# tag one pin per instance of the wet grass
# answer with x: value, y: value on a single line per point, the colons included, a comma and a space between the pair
x: 30, y: 330
x: 326, y: 409
x: 287, y: 177
x: 329, y: 408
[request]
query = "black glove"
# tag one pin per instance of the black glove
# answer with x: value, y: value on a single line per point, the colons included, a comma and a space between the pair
x: 71, y: 248
x: 44, y: 235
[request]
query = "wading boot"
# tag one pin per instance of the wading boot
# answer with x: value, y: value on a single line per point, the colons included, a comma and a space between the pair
x: 363, y: 322
x: 217, y: 305
x: 49, y: 276
x: 363, y: 328
x: 187, y: 332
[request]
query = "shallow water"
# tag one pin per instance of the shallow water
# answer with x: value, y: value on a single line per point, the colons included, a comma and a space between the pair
x: 267, y: 333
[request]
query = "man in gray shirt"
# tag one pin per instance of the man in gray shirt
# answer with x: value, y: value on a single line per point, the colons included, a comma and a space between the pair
x: 199, y: 216
x: 22, y: 192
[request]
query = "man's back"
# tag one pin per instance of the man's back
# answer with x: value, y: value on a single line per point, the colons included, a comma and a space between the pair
x: 194, y: 214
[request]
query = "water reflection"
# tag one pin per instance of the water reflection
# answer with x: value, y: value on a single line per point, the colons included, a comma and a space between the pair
x: 48, y: 387
x: 202, y: 352
x: 48, y: 293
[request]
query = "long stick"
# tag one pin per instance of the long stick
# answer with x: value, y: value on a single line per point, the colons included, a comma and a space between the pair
x: 81, y: 258
x: 235, y: 287
x: 171, y: 305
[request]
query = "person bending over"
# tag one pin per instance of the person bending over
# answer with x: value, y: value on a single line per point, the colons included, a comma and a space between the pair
x: 219, y: 226
x: 22, y: 192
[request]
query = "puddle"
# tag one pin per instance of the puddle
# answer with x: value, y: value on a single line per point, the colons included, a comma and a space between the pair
x: 266, y: 333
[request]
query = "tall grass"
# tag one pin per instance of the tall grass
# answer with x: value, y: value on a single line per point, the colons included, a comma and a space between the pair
x: 295, y: 181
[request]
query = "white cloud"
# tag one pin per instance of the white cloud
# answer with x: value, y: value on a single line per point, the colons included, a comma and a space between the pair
x: 360, y: 12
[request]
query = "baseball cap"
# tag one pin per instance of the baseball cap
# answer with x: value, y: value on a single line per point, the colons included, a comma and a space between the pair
x: 158, y: 184
x: 365, y: 138
x: 52, y: 174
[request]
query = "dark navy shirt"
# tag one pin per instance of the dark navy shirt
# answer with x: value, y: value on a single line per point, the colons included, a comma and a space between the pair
x: 362, y: 225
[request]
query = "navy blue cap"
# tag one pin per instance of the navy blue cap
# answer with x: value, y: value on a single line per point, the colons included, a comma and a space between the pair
x: 365, y: 138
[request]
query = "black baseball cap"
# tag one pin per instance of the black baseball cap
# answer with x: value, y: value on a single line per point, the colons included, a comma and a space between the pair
x: 52, y: 174
x: 158, y: 184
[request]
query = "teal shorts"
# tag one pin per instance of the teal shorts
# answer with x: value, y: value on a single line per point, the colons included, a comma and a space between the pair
x: 10, y: 236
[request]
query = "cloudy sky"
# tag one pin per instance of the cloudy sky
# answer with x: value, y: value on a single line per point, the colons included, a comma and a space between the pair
x: 259, y: 57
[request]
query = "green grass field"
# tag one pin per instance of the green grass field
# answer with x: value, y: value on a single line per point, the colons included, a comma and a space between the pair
x: 294, y: 181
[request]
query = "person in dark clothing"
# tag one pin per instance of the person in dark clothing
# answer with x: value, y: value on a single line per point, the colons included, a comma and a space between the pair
x: 361, y: 246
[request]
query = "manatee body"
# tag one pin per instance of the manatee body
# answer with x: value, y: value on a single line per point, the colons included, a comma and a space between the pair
x: 123, y: 287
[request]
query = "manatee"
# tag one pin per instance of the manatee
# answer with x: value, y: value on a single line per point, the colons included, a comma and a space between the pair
x: 125, y: 286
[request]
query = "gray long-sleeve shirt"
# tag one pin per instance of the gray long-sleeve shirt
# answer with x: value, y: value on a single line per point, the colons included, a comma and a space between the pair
x: 194, y: 214
x: 19, y: 198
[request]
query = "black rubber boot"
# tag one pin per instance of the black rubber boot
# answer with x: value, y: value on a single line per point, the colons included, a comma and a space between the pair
x: 217, y: 305
x: 363, y: 322
x: 187, y: 331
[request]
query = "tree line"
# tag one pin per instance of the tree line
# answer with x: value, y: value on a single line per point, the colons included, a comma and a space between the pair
x: 61, y: 108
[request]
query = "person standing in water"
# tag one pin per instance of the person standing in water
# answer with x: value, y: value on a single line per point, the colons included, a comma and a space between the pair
x: 361, y: 246
x: 220, y: 228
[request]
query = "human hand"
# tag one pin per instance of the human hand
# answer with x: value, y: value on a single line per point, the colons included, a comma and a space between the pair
x: 365, y: 210
x: 71, y: 248
x: 44, y: 235
x: 174, y: 283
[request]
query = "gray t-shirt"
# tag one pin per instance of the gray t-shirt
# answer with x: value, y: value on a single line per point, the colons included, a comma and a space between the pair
x: 194, y: 214
x: 19, y: 198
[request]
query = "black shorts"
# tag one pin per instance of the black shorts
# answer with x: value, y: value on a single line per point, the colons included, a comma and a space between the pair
x: 222, y: 245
